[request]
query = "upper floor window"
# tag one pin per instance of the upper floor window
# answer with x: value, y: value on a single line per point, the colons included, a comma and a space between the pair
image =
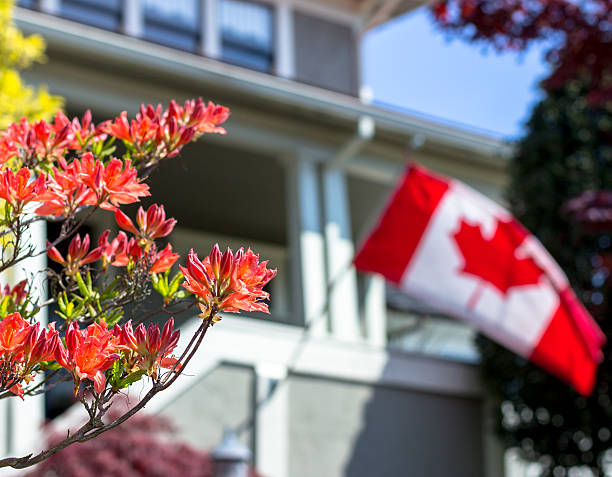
x: 101, y: 13
x: 247, y: 33
x: 174, y: 23
x: 28, y: 3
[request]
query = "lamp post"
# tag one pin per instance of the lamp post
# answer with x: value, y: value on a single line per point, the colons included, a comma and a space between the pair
x: 231, y: 457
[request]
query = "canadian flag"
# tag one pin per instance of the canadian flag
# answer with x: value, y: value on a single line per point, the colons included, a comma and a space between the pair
x: 449, y: 246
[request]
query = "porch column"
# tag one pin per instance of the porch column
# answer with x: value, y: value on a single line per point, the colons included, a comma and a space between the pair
x: 26, y: 417
x: 375, y: 311
x: 306, y: 243
x: 271, y: 453
x: 343, y: 304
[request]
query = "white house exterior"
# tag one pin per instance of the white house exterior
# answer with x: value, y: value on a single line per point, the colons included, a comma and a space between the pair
x: 338, y: 381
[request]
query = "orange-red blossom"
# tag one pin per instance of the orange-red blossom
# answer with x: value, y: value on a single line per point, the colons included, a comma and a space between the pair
x: 89, y: 181
x: 120, y: 251
x: 22, y: 347
x: 164, y: 133
x: 88, y: 353
x: 152, y: 224
x: 228, y: 282
x: 77, y: 255
x: 148, y: 349
x: 17, y: 189
x: 18, y: 293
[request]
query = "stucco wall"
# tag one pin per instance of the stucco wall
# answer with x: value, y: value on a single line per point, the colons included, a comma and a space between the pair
x: 221, y: 399
x: 339, y: 428
x: 343, y: 429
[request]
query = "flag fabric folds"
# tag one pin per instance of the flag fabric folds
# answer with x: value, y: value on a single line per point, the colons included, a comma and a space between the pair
x: 461, y: 253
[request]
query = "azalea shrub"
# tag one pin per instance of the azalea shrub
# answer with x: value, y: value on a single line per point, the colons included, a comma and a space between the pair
x: 64, y: 171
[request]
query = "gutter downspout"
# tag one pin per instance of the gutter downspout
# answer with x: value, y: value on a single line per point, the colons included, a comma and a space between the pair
x: 366, y: 128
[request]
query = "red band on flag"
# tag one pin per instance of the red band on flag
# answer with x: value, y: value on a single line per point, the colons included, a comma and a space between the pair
x: 390, y: 247
x: 563, y: 351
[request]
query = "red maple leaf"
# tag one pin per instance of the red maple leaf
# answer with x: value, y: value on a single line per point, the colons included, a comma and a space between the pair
x: 495, y: 260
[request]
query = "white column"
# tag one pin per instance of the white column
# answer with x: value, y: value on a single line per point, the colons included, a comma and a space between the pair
x: 285, y: 41
x: 133, y: 14
x: 306, y: 243
x: 343, y: 304
x: 211, y: 36
x: 272, y: 421
x: 50, y: 6
x: 375, y: 311
x: 28, y: 416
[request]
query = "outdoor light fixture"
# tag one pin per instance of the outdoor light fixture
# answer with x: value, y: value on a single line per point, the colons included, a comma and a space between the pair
x: 231, y: 457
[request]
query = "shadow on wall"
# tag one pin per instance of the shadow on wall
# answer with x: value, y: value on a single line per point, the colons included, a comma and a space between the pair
x: 418, y: 435
x: 356, y: 430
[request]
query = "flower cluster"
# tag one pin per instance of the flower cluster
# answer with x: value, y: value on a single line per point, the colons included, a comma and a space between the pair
x: 89, y: 181
x: 42, y: 142
x: 23, y: 346
x: 158, y: 134
x: 77, y: 256
x: 88, y: 353
x: 228, y: 282
x: 119, y: 252
x: 18, y: 190
x: 151, y: 225
x: 17, y: 293
x: 147, y: 349
x: 64, y: 171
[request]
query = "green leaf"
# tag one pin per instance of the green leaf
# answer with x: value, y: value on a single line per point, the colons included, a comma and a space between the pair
x: 131, y: 378
x: 116, y: 371
x: 82, y: 287
x: 113, y: 317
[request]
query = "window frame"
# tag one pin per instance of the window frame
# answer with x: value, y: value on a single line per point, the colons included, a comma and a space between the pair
x: 271, y: 56
x: 161, y: 25
x: 104, y: 8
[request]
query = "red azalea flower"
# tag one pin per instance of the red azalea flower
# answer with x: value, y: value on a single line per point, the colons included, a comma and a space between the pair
x: 151, y: 349
x: 151, y: 225
x: 113, y: 252
x: 18, y: 190
x: 87, y: 354
x: 13, y: 332
x: 163, y: 259
x: 22, y: 347
x: 18, y: 293
x: 8, y: 149
x: 228, y: 282
x: 77, y: 254
x: 66, y: 191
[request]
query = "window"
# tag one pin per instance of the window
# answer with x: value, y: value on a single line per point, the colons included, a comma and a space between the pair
x: 247, y: 36
x: 174, y: 23
x: 28, y: 3
x: 101, y: 13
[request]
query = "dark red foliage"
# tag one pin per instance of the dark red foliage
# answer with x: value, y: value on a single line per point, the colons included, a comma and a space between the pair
x: 581, y: 30
x: 143, y: 446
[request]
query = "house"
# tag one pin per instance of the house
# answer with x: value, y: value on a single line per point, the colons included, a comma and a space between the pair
x: 339, y: 380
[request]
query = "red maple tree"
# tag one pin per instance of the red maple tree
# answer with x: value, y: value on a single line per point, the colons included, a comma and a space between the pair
x: 494, y: 260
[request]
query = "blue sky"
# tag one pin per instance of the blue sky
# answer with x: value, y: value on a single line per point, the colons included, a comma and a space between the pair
x: 411, y: 64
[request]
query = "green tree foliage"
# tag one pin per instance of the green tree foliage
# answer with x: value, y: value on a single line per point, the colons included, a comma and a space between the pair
x: 567, y: 151
x: 18, y: 52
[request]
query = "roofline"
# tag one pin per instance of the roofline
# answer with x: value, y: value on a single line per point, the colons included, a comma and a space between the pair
x: 134, y: 54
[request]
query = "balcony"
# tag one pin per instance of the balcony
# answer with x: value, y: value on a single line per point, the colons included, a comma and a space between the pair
x: 316, y: 45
